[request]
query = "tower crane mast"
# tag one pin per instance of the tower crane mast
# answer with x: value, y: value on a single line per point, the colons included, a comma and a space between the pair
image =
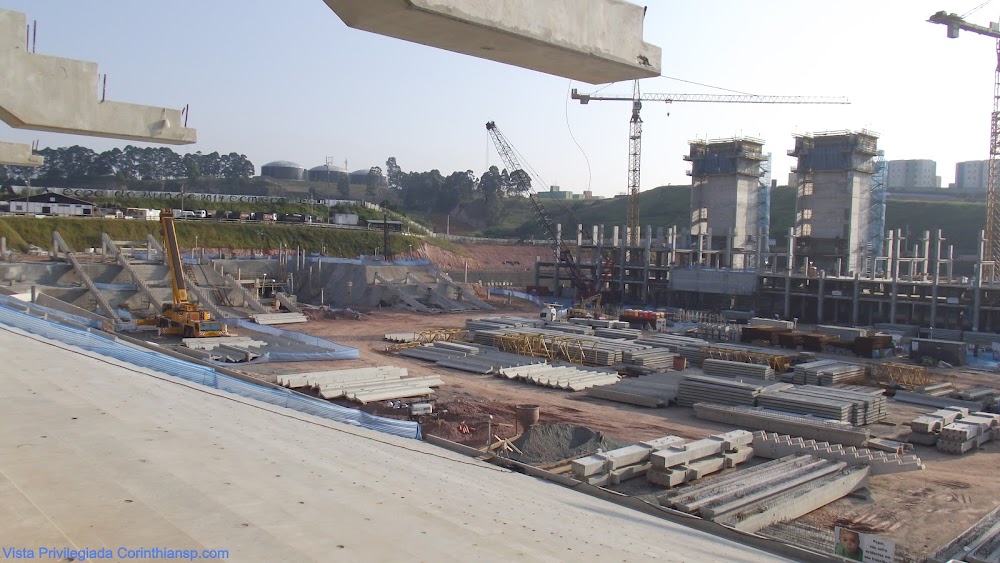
x: 991, y: 239
x: 635, y: 129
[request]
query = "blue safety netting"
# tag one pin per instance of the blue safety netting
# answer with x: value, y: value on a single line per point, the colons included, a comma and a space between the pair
x: 322, y: 349
x: 48, y: 312
x: 107, y: 345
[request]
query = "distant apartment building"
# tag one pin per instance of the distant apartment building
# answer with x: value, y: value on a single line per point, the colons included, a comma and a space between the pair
x: 904, y: 175
x: 972, y: 175
x: 555, y: 192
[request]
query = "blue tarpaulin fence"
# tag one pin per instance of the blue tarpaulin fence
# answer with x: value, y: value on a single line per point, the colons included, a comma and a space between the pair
x: 107, y: 345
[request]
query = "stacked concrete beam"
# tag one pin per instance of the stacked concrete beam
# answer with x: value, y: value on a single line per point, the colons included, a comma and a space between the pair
x: 954, y: 430
x: 783, y: 423
x: 775, y: 446
x: 691, y: 461
x: 826, y: 372
x: 651, y: 391
x: 778, y: 490
x: 938, y: 402
x: 622, y: 464
x: 857, y: 406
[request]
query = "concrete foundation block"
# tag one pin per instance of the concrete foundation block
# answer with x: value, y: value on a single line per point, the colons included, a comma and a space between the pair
x: 666, y: 477
x: 698, y: 469
x: 736, y: 438
x: 994, y: 418
x: 626, y: 473
x: 598, y: 480
x: 629, y: 455
x: 958, y: 448
x: 960, y: 432
x: 738, y: 456
x: 657, y: 444
x: 923, y: 439
x: 589, y: 465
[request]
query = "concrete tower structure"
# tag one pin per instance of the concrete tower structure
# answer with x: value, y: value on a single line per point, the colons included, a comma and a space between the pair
x: 725, y: 186
x: 833, y: 198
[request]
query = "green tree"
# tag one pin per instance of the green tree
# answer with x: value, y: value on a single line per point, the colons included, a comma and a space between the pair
x: 393, y: 175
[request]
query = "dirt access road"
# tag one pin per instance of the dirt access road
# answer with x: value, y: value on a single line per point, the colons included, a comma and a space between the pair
x: 920, y: 511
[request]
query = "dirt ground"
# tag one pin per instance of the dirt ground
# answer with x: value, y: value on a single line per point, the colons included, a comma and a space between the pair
x: 920, y: 511
x: 516, y: 258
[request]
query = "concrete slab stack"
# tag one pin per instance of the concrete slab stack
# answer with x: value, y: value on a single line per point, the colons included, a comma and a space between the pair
x: 654, y: 390
x: 859, y: 406
x: 775, y: 446
x: 783, y: 423
x: 778, y: 490
x: 648, y: 360
x: 738, y: 370
x: 826, y: 372
x: 720, y: 390
x: 938, y: 402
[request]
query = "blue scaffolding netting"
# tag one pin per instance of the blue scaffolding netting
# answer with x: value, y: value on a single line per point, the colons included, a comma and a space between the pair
x: 107, y: 345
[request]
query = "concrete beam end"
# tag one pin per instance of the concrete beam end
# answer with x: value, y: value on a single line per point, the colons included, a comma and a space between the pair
x: 46, y: 93
x: 18, y: 154
x: 593, y: 41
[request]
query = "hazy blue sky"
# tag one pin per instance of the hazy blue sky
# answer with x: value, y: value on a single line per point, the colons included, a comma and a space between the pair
x: 289, y: 81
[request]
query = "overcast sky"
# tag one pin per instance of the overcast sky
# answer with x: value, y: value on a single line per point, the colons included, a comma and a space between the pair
x: 289, y: 81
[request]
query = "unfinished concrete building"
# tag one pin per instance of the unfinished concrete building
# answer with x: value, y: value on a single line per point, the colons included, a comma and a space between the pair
x: 725, y: 192
x: 833, y: 199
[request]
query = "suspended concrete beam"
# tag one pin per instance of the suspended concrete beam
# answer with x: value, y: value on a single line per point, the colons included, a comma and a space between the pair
x: 47, y: 93
x: 17, y: 154
x: 594, y: 41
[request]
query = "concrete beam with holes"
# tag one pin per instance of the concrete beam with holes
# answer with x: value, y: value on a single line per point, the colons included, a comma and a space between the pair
x: 18, y: 154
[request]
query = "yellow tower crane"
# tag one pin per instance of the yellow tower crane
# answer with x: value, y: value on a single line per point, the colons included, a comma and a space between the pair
x: 991, y: 238
x: 635, y: 130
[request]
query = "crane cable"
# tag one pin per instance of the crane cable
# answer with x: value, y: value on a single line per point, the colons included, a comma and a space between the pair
x: 590, y: 175
x: 967, y: 14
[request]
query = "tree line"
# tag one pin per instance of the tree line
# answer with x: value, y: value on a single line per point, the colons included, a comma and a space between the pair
x: 130, y: 163
x: 428, y: 192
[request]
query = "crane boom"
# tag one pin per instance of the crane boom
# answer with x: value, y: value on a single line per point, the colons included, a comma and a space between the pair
x: 715, y: 98
x: 991, y: 238
x: 172, y: 249
x: 584, y: 285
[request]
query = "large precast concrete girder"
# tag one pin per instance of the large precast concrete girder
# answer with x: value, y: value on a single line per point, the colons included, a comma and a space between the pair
x: 18, y: 154
x: 47, y: 93
x: 594, y: 41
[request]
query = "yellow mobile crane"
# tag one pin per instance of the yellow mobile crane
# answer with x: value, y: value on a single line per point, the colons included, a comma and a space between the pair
x: 182, y: 317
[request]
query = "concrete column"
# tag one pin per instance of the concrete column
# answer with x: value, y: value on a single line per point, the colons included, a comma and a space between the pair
x: 579, y: 235
x: 3, y: 249
x: 623, y: 242
x: 728, y: 257
x: 819, y: 297
x: 977, y: 287
x: 791, y: 249
x: 951, y: 263
x: 927, y: 253
x: 645, y: 263
x: 615, y: 236
x: 854, y: 301
x: 936, y: 277
x: 894, y: 263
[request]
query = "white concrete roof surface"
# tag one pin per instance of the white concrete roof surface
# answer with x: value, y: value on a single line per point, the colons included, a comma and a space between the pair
x: 96, y: 455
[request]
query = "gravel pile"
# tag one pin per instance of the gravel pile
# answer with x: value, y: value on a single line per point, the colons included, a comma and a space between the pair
x: 546, y: 443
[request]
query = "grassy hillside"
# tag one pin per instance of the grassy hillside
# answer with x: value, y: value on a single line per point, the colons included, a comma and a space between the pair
x: 21, y: 232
